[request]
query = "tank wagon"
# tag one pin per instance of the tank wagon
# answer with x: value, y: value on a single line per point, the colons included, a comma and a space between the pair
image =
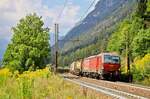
x: 101, y: 66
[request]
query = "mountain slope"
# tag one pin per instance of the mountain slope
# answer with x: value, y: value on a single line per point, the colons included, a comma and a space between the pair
x: 104, y: 17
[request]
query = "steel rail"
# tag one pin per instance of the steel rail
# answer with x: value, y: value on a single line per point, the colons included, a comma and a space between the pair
x: 147, y: 88
x: 97, y: 89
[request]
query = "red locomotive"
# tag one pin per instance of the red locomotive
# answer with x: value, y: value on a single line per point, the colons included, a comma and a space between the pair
x: 103, y: 66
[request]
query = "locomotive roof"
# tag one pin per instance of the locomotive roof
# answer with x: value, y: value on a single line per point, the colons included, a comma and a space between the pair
x: 115, y: 54
x: 108, y: 54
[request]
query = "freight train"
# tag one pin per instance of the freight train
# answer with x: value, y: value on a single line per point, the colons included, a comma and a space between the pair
x: 101, y: 66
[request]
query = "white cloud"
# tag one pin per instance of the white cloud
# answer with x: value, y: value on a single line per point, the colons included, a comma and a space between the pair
x: 69, y: 17
x: 12, y: 10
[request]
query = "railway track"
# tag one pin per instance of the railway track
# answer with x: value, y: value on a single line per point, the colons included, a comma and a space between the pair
x: 115, y: 90
x: 135, y: 85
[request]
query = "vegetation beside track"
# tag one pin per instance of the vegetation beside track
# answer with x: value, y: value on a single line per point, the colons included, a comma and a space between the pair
x: 40, y: 84
x: 141, y: 70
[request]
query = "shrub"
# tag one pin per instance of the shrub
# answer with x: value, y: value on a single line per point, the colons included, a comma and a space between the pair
x: 40, y: 84
x: 141, y: 68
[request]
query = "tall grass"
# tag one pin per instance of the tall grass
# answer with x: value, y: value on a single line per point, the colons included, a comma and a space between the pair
x: 40, y: 84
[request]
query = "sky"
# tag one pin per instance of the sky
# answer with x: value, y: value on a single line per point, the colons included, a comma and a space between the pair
x: 11, y: 11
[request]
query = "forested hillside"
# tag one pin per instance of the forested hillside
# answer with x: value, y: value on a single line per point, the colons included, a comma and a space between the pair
x: 132, y: 38
x: 103, y: 17
x: 94, y: 31
x: 133, y: 32
x: 109, y: 35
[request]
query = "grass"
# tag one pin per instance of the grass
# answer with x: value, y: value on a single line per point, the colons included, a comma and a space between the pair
x: 145, y: 82
x: 41, y: 84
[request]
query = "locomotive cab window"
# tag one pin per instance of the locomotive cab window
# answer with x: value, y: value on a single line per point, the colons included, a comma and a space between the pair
x: 107, y: 59
x: 111, y: 59
x: 115, y: 59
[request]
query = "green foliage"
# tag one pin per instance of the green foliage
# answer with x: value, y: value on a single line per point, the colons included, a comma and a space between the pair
x: 125, y: 34
x: 29, y: 47
x: 141, y: 43
x: 133, y: 38
x: 148, y: 6
x: 93, y: 49
x: 142, y: 7
x: 40, y: 84
x: 141, y: 68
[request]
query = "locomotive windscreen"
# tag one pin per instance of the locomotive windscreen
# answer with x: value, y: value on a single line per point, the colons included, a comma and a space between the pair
x: 111, y: 59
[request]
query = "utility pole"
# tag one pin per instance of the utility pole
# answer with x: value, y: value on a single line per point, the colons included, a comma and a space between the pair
x: 128, y: 63
x: 127, y: 57
x: 127, y: 36
x: 56, y: 46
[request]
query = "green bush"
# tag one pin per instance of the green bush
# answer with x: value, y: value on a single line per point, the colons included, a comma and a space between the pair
x: 141, y: 68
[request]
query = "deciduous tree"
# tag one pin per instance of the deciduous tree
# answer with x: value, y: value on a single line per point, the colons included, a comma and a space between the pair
x: 29, y: 47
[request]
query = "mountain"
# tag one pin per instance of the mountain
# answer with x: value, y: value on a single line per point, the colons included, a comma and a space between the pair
x: 52, y: 38
x: 98, y: 24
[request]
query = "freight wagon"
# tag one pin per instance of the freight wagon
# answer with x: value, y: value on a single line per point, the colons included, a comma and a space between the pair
x: 103, y: 66
x: 75, y: 67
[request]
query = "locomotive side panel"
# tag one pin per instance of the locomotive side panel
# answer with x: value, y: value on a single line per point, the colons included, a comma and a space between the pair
x: 91, y: 64
x: 94, y: 64
x: 85, y: 65
x: 100, y: 66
